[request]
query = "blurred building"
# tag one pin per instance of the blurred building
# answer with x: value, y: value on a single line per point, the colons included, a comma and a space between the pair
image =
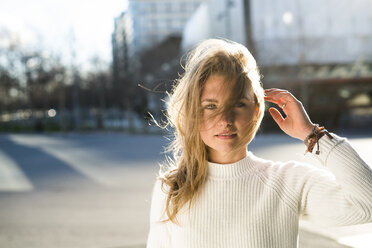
x: 216, y: 18
x: 312, y: 31
x: 155, y: 20
x: 320, y: 50
x: 146, y: 24
x: 289, y: 32
x: 122, y: 47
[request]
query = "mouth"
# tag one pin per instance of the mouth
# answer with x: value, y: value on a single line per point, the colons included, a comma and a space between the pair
x: 226, y: 135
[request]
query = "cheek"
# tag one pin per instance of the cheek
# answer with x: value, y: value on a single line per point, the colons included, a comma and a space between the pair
x: 245, y: 117
x: 204, y: 135
x: 206, y: 130
x: 208, y: 122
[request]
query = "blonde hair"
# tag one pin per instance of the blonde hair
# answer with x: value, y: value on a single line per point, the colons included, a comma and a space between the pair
x: 187, y: 171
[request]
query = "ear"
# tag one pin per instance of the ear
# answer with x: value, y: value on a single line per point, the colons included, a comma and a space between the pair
x: 257, y: 110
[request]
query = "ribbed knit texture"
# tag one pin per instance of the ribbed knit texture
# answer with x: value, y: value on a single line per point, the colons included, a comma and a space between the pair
x: 257, y: 203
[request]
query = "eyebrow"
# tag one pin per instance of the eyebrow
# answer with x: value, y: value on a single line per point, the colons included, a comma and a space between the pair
x: 216, y: 101
x: 210, y: 100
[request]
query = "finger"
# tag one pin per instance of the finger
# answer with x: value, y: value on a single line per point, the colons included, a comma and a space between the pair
x: 273, y: 93
x: 274, y: 90
x: 279, y: 94
x: 277, y: 99
x: 286, y: 106
x: 278, y: 103
x: 278, y: 118
x: 270, y: 99
x: 281, y: 98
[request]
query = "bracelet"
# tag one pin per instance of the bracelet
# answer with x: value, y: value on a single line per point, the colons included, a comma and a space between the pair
x: 311, y: 134
x: 314, y: 137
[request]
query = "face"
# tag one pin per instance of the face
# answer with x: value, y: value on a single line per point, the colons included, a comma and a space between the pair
x: 223, y: 134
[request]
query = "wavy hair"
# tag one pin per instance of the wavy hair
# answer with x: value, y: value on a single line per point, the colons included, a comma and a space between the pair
x: 186, y: 172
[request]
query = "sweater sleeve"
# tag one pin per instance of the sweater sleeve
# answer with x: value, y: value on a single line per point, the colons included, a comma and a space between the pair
x: 344, y: 196
x: 159, y: 235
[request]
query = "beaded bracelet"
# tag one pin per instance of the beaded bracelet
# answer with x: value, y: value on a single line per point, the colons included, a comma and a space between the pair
x: 314, y: 137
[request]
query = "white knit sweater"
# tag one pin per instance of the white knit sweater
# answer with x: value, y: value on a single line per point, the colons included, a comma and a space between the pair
x: 257, y: 203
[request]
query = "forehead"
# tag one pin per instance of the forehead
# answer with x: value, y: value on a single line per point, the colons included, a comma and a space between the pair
x: 218, y: 87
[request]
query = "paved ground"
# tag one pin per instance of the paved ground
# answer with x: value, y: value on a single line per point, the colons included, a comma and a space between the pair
x: 94, y: 190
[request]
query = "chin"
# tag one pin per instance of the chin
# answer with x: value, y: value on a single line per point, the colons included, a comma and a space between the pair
x: 225, y: 150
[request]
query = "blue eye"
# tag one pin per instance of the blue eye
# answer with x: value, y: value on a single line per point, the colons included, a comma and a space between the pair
x: 210, y: 106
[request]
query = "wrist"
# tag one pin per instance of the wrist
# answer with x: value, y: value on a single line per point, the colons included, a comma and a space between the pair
x: 307, y: 131
x: 313, y: 138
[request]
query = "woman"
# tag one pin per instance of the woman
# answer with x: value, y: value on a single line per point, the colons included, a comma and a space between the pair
x: 215, y: 193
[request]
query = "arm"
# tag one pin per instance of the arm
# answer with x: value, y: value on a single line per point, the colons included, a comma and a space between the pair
x: 342, y: 197
x: 159, y: 236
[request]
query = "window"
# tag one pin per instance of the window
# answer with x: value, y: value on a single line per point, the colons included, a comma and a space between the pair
x: 168, y: 7
x: 153, y: 7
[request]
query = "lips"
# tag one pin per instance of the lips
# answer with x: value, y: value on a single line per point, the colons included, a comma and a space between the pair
x: 226, y: 135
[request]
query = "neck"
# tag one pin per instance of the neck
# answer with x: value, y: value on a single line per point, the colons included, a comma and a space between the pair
x: 226, y: 158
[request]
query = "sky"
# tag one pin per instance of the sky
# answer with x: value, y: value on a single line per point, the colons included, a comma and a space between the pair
x: 60, y: 25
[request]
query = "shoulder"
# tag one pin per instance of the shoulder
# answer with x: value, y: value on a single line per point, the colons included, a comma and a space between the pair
x: 159, y: 190
x: 159, y: 199
x: 276, y: 170
x: 290, y: 177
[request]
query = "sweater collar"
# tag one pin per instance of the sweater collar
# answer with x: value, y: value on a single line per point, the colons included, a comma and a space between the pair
x: 237, y: 169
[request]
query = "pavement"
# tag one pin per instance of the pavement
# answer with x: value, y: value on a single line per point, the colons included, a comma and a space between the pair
x: 94, y: 189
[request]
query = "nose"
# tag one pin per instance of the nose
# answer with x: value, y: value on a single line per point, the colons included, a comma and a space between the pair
x: 227, y: 118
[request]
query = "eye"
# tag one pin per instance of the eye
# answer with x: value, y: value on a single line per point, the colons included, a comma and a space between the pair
x: 240, y: 105
x: 210, y: 106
